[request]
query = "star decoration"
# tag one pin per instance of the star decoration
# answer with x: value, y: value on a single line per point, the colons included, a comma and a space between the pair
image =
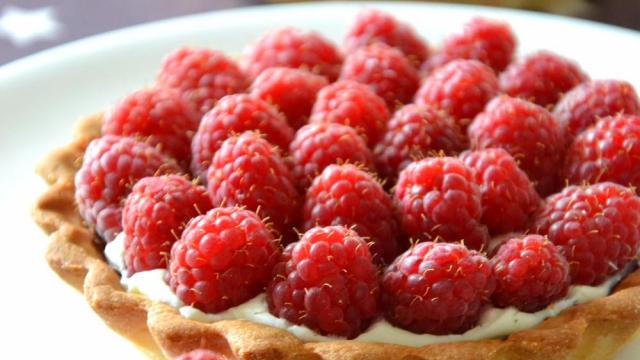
x: 25, y: 26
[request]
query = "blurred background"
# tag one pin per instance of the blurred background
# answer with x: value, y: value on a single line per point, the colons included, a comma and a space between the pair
x: 28, y: 26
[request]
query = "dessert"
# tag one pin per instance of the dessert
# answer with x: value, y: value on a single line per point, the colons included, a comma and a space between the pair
x: 177, y: 266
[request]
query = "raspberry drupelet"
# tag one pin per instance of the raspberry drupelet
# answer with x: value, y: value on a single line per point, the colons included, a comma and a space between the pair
x: 110, y: 168
x: 461, y: 88
x: 248, y: 171
x: 292, y: 48
x: 353, y: 104
x: 508, y: 196
x: 291, y: 91
x: 386, y: 70
x: 530, y: 274
x: 415, y: 132
x: 345, y: 195
x: 157, y: 116
x: 438, y: 200
x: 235, y: 114
x: 316, y: 146
x: 154, y: 216
x: 591, y: 101
x: 596, y: 227
x: 542, y: 78
x: 608, y: 151
x: 326, y: 281
x: 489, y: 41
x: 437, y: 288
x: 373, y: 26
x: 202, y: 76
x: 222, y: 259
x: 526, y: 131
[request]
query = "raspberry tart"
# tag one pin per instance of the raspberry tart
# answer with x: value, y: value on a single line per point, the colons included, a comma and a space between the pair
x: 313, y: 202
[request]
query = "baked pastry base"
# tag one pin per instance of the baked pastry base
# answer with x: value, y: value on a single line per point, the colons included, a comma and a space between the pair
x: 594, y: 330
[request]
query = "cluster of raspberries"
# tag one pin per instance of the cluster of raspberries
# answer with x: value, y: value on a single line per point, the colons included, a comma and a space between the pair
x: 380, y: 179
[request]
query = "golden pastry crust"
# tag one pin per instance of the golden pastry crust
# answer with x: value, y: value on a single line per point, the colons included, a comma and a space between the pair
x: 595, y: 330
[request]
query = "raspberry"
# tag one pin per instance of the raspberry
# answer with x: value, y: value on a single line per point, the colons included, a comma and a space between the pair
x: 373, y: 26
x: 203, y: 76
x: 292, y: 91
x: 293, y: 48
x: 489, y: 41
x: 609, y: 151
x: 528, y: 132
x: 111, y: 166
x: 437, y: 288
x: 438, y: 199
x: 247, y: 171
x: 461, y: 88
x: 223, y: 259
x: 154, y: 215
x: 415, y: 132
x: 588, y: 102
x: 530, y: 274
x: 318, y: 145
x: 386, y: 70
x: 541, y: 78
x: 326, y: 281
x: 200, y: 354
x: 157, y: 116
x: 508, y: 197
x: 345, y: 195
x: 234, y: 114
x: 595, y: 228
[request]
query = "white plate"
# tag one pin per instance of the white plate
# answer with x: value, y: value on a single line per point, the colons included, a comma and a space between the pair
x: 42, y: 95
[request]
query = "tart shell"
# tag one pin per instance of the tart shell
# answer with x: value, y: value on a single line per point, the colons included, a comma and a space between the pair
x: 594, y: 330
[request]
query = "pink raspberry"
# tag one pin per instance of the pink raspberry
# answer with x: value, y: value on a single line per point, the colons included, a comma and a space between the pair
x: 326, y: 281
x: 437, y: 288
x: 203, y: 76
x: 438, y: 199
x: 386, y: 70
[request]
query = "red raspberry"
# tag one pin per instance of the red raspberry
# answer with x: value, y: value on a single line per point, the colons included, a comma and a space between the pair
x: 437, y: 288
x: 247, y: 171
x: 203, y: 76
x: 318, y: 145
x: 438, y: 199
x: 234, y: 114
x: 461, y: 88
x: 415, y: 132
x: 373, y: 26
x: 345, y: 195
x: 609, y: 151
x: 489, y: 41
x: 386, y: 70
x: 292, y: 91
x: 157, y: 116
x: 201, y: 354
x: 528, y: 132
x: 508, y: 197
x: 353, y: 104
x: 326, y: 281
x: 596, y: 228
x: 530, y: 274
x: 111, y: 166
x: 293, y: 48
x: 588, y: 102
x: 223, y: 259
x: 541, y: 78
x: 154, y: 216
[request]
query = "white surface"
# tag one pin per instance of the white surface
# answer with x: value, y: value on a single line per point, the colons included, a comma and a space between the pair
x: 41, y: 96
x: 494, y: 323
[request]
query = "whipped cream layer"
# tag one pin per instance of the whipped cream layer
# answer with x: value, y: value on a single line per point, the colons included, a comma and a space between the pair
x: 494, y: 323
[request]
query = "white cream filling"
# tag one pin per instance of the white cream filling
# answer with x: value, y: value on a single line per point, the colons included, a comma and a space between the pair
x: 494, y: 322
